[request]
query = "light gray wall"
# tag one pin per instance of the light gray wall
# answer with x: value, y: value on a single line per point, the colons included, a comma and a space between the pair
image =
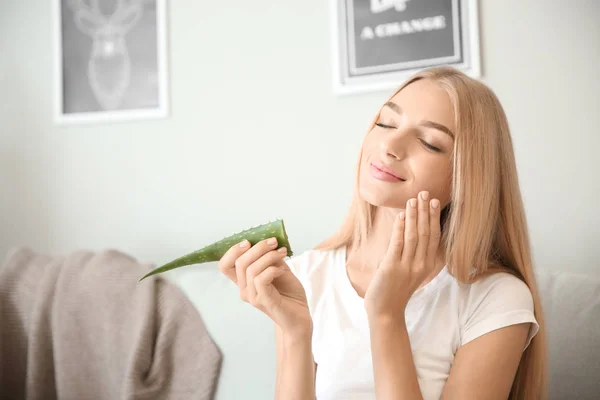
x: 254, y: 127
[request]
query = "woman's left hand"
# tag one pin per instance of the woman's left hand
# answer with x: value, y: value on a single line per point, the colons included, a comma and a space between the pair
x: 410, y: 258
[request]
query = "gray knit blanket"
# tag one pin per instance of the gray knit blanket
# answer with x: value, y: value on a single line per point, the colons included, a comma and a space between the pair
x: 81, y: 326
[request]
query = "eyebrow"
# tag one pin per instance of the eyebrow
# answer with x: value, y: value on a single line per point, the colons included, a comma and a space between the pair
x: 430, y: 124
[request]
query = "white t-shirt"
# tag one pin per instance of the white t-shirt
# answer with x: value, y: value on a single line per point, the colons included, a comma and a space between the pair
x: 440, y: 317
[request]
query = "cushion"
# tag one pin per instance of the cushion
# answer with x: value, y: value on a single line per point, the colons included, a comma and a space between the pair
x: 572, y: 307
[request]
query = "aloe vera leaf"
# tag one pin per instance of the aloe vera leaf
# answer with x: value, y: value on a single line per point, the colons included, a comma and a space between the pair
x: 216, y: 250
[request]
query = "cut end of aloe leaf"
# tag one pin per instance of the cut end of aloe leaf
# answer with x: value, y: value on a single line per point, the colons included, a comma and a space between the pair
x: 216, y: 250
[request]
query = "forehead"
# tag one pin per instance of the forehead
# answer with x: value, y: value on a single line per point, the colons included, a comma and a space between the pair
x: 425, y: 100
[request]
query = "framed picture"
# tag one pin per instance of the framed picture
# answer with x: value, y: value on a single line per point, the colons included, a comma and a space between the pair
x: 377, y: 44
x: 110, y: 61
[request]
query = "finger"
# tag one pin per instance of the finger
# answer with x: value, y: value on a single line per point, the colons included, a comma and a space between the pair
x: 250, y: 256
x: 435, y: 229
x: 423, y: 227
x: 256, y: 268
x: 397, y: 239
x: 410, y: 231
x: 266, y: 294
x: 227, y: 262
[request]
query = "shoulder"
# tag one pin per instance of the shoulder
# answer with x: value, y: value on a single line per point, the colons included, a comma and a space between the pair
x: 501, y: 290
x: 495, y: 301
x: 315, y: 269
x: 313, y: 261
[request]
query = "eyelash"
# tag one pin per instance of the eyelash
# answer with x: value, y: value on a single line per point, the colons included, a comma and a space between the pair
x: 430, y: 147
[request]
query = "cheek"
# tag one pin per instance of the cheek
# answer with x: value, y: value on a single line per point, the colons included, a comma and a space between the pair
x: 436, y: 178
x: 368, y: 149
x: 369, y: 144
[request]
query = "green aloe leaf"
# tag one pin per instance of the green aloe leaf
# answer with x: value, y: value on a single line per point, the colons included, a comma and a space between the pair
x: 216, y: 250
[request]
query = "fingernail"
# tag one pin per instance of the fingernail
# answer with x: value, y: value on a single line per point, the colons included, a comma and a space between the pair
x: 272, y: 241
x: 245, y: 243
x: 401, y: 216
x: 425, y: 195
x: 435, y: 203
x: 413, y: 203
x: 283, y: 250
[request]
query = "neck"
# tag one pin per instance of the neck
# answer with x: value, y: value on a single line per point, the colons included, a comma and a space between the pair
x: 369, y: 255
x: 372, y: 251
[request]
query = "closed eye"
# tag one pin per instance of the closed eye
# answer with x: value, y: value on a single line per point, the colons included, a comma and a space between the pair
x: 427, y: 145
x: 430, y: 147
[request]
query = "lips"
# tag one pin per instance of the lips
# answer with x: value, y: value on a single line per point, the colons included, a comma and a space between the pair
x: 387, y: 171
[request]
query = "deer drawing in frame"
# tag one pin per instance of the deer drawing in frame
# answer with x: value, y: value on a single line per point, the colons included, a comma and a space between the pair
x: 109, y: 64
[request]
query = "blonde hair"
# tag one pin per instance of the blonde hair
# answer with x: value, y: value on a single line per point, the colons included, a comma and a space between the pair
x: 484, y: 228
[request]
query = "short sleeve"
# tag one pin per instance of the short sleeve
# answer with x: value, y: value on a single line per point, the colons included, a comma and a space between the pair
x: 314, y: 269
x: 300, y: 265
x: 497, y: 301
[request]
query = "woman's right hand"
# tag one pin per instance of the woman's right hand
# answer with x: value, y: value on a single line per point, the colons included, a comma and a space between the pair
x: 266, y: 282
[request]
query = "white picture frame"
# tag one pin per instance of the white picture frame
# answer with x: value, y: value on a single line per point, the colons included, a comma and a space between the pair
x: 109, y: 65
x: 445, y: 32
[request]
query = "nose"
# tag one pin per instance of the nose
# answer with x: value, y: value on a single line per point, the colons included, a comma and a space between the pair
x: 394, y: 145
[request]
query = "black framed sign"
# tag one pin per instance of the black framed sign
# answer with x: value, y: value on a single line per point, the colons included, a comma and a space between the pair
x: 379, y: 43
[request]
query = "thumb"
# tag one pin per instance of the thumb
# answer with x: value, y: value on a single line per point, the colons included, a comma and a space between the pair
x: 396, y: 245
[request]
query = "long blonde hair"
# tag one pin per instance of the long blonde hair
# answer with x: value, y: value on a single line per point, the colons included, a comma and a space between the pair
x: 484, y: 228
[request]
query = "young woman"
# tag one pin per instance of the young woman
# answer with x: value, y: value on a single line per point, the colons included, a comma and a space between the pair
x: 427, y: 291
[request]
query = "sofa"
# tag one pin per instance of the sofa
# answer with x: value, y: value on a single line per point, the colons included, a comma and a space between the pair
x: 226, y: 348
x: 246, y: 339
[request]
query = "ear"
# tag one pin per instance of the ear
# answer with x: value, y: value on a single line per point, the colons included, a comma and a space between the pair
x: 87, y: 21
x: 125, y: 18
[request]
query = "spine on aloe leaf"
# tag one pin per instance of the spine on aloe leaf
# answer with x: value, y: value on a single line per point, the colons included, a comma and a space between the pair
x: 214, y: 252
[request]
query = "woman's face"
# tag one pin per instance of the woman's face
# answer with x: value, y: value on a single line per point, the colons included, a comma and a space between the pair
x: 410, y: 148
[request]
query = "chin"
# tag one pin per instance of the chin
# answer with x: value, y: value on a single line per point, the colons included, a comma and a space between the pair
x: 382, y: 198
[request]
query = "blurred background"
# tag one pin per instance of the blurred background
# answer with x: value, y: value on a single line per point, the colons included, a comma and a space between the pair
x: 255, y: 132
